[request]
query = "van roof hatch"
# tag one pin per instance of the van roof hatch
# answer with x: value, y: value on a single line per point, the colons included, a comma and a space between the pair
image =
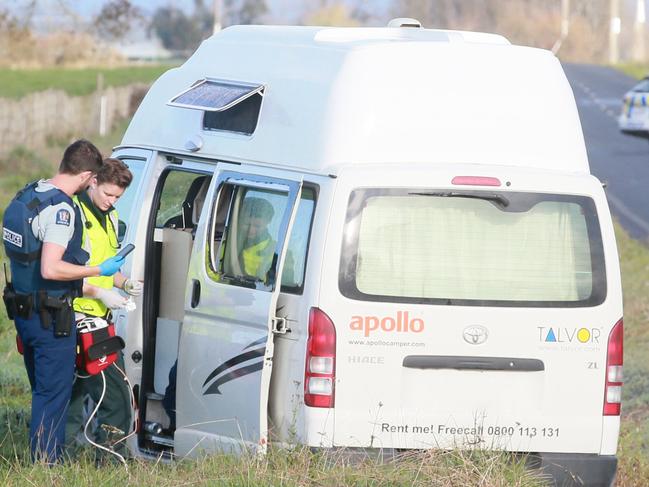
x: 212, y: 95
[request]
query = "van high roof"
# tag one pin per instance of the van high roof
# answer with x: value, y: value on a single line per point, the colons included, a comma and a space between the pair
x: 338, y: 96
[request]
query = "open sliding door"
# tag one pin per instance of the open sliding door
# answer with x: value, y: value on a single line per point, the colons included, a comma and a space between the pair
x: 226, y: 346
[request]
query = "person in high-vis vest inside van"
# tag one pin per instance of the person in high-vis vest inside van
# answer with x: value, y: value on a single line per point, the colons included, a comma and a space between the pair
x: 42, y: 233
x: 257, y: 245
x: 100, y: 295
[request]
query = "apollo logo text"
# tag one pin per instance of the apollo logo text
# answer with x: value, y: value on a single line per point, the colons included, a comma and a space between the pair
x: 401, y: 323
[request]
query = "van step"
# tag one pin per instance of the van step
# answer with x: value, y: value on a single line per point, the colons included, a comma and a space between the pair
x: 160, y: 440
x: 164, y: 456
x: 155, y: 396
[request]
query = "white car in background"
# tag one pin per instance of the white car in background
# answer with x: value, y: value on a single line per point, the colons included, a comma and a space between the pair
x: 634, y: 119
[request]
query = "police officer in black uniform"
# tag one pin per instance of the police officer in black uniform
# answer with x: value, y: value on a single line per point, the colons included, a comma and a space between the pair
x: 42, y: 236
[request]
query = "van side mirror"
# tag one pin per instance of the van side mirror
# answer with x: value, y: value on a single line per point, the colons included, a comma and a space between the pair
x: 121, y: 231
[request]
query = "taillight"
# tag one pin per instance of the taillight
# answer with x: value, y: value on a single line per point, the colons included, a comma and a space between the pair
x: 614, y: 361
x: 320, y: 369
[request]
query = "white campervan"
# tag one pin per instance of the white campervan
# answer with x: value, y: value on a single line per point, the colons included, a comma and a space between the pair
x: 378, y: 238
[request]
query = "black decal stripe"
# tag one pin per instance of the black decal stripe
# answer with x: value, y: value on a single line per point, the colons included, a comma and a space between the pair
x: 235, y: 374
x: 257, y: 342
x: 259, y: 352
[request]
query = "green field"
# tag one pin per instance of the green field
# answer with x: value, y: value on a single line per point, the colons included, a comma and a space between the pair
x: 16, y: 83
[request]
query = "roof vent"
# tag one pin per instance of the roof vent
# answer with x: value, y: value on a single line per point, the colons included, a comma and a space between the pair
x: 405, y: 22
x: 230, y: 106
x: 214, y: 95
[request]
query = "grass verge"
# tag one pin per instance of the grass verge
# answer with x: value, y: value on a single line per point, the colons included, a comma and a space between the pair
x: 634, y: 70
x: 633, y: 452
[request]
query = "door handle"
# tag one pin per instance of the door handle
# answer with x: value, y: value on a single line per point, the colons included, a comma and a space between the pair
x: 196, y: 292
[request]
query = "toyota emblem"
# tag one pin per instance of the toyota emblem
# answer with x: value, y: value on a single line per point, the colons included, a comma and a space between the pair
x: 475, y: 334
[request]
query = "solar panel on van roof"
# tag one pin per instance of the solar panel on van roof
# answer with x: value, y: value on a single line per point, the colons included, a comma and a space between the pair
x: 214, y: 95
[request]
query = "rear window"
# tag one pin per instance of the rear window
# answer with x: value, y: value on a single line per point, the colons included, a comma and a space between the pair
x: 472, y: 248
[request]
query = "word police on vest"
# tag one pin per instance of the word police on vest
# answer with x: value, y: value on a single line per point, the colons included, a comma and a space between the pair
x: 12, y: 237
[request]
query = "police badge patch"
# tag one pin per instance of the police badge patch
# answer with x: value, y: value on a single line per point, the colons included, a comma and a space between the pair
x: 63, y: 218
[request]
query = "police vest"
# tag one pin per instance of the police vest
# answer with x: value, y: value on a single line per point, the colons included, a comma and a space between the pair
x: 24, y: 249
x: 100, y: 241
x: 257, y: 258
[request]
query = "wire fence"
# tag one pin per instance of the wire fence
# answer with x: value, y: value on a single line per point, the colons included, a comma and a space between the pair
x: 35, y: 118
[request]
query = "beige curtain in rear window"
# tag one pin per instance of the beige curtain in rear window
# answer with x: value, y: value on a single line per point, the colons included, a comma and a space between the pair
x: 461, y: 248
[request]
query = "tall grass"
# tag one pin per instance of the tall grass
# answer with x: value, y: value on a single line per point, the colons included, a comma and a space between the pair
x: 299, y: 467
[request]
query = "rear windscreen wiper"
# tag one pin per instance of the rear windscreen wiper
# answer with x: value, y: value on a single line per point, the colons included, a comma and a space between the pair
x: 494, y: 197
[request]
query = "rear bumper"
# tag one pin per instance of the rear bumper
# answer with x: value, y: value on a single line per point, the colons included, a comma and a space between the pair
x: 640, y: 129
x: 644, y: 133
x: 573, y: 469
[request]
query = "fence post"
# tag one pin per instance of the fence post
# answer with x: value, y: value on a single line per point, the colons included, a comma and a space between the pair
x: 102, y: 104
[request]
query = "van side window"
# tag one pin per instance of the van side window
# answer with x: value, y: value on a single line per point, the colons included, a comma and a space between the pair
x: 295, y: 262
x: 183, y: 193
x: 241, y: 118
x: 242, y: 247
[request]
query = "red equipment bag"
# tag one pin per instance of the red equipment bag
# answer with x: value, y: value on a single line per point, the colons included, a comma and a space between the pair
x: 97, y: 345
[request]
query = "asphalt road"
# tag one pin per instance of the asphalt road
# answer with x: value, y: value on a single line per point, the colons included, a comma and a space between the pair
x: 622, y: 161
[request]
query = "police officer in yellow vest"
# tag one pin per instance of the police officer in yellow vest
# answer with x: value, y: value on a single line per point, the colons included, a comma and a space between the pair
x: 100, y: 241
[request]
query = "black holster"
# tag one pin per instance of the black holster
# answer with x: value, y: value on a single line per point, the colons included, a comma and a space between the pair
x: 59, y: 308
x: 18, y: 305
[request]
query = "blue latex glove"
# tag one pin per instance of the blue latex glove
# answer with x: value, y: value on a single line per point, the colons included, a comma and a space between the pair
x: 110, y: 266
